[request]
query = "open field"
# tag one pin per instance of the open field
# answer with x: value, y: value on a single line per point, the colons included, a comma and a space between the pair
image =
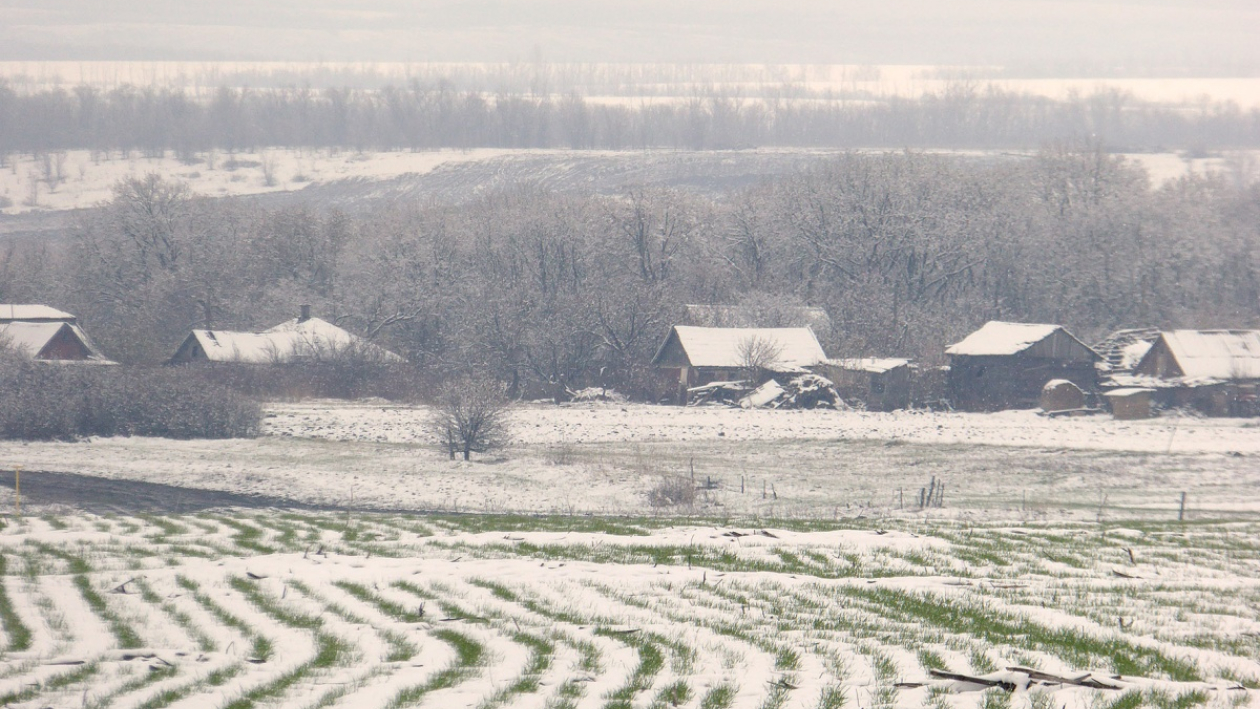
x: 801, y: 571
x: 81, y: 179
x: 607, y: 459
x: 236, y: 608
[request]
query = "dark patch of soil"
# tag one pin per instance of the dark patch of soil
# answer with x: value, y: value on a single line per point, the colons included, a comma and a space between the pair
x: 41, y: 488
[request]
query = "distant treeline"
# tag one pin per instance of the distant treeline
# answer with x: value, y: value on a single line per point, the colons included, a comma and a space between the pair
x: 907, y: 252
x: 430, y: 116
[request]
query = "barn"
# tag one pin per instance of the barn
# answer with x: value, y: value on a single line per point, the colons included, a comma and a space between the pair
x: 1214, y: 371
x: 692, y: 356
x: 303, y: 339
x: 1005, y: 365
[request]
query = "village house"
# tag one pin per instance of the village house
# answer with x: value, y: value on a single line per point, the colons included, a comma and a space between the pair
x: 1214, y: 371
x: 881, y: 383
x: 694, y: 356
x: 44, y: 334
x: 1006, y: 365
x: 301, y: 340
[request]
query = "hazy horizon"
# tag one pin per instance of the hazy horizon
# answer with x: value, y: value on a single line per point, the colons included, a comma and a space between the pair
x: 1139, y: 37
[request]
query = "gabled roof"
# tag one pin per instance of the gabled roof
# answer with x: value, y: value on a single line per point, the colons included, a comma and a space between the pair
x: 31, y: 340
x: 10, y: 312
x: 726, y: 346
x: 1219, y: 354
x: 312, y: 339
x: 874, y: 365
x: 999, y: 338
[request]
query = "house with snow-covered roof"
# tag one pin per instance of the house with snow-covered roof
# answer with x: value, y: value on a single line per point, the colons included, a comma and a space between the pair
x: 44, y: 334
x: 1196, y: 354
x: 1005, y: 365
x: 1215, y: 371
x: 694, y: 356
x: 302, y: 340
x: 50, y: 342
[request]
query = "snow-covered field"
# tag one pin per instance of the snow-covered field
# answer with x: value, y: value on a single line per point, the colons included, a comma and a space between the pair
x: 264, y: 608
x: 607, y: 459
x: 79, y: 179
x: 803, y: 574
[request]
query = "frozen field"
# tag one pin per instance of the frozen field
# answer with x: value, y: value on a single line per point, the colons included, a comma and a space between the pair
x: 280, y: 609
x: 79, y: 179
x: 607, y: 459
x: 803, y: 574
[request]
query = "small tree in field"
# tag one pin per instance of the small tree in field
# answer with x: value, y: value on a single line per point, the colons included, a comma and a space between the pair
x: 471, y: 416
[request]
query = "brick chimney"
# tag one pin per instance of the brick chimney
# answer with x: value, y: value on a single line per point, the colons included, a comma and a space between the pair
x: 306, y: 313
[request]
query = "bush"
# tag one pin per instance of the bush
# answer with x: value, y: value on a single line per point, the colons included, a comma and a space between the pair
x: 63, y: 402
x: 471, y: 415
x: 673, y: 491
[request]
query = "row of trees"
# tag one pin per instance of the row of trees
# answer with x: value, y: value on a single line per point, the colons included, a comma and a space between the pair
x: 430, y: 116
x: 907, y: 252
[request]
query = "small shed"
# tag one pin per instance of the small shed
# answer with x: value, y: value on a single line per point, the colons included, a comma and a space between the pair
x: 1130, y: 403
x: 51, y: 341
x: 694, y: 356
x: 881, y: 383
x: 1005, y: 365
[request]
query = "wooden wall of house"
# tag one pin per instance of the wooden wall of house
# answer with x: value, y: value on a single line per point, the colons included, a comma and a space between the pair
x: 65, y: 346
x: 708, y: 375
x: 1130, y: 408
x: 189, y: 351
x: 672, y: 354
x: 1060, y: 346
x: 993, y: 383
x: 1159, y: 362
x: 879, y: 391
x: 1235, y: 398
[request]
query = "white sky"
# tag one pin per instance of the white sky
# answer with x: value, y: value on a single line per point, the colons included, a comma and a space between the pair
x: 1130, y: 35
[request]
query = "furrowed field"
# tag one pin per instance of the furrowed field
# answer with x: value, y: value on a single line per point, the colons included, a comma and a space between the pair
x: 271, y: 608
x: 634, y: 557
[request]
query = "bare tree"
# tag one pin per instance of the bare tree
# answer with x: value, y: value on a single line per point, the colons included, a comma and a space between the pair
x: 757, y: 354
x: 471, y: 416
